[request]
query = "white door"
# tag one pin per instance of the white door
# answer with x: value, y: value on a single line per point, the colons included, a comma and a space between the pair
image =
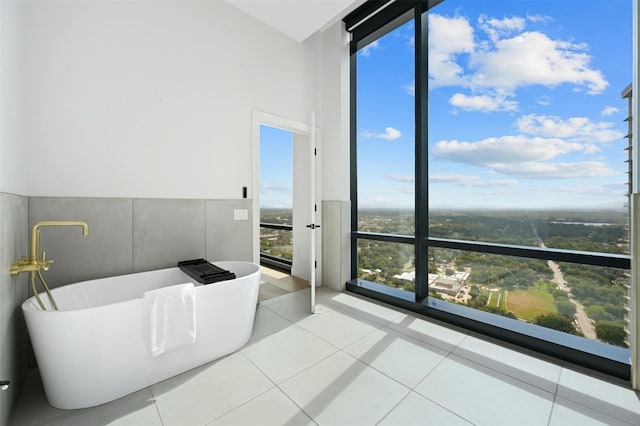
x: 313, y: 225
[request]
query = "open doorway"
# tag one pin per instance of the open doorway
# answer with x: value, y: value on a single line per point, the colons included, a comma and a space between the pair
x: 276, y: 213
x: 276, y: 198
x: 283, y: 164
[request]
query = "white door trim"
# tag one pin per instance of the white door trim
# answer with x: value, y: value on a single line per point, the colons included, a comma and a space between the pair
x: 263, y: 118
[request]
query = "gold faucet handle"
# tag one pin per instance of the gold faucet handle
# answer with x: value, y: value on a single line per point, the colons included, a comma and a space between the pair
x: 45, y: 263
x: 18, y: 267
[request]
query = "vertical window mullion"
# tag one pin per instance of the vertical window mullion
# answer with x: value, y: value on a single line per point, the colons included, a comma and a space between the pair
x: 354, y: 158
x: 421, y: 154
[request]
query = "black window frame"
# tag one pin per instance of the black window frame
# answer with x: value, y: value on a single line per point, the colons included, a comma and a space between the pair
x: 611, y: 360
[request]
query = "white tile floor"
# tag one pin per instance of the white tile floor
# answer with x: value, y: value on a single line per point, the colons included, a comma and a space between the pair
x: 357, y: 363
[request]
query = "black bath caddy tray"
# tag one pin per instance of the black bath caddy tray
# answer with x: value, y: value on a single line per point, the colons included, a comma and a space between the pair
x: 204, y: 271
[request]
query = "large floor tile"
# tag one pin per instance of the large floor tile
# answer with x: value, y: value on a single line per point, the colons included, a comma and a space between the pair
x: 272, y: 408
x: 304, y: 294
x: 132, y: 410
x: 135, y: 409
x: 206, y: 393
x: 367, y: 309
x: 330, y: 297
x: 484, y: 396
x: 513, y: 363
x: 399, y: 356
x: 287, y: 352
x: 338, y: 328
x: 608, y: 398
x: 566, y: 412
x: 33, y: 400
x: 266, y: 323
x: 269, y: 291
x: 341, y: 390
x: 293, y: 306
x: 283, y: 281
x: 429, y: 332
x: 419, y: 411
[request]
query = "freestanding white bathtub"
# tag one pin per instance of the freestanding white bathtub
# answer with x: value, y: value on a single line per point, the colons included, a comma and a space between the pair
x: 94, y: 348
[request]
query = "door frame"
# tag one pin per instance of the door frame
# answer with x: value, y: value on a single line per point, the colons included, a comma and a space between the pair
x: 259, y: 118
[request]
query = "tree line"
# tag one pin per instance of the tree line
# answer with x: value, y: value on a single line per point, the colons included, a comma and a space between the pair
x: 601, y: 290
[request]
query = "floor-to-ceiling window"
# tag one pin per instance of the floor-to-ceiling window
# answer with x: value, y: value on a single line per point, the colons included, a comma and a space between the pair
x: 385, y: 144
x: 490, y: 166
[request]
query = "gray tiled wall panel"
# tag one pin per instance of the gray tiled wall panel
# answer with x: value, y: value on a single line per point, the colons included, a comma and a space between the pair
x: 13, y: 291
x: 166, y: 232
x: 229, y: 239
x: 106, y: 251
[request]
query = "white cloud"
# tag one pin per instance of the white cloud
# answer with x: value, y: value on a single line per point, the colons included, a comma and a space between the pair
x: 533, y: 58
x: 366, y: 51
x: 575, y: 129
x: 544, y: 101
x: 389, y: 134
x: 498, y: 28
x: 470, y: 181
x: 509, y: 59
x: 275, y: 187
x: 485, y: 103
x: 540, y: 170
x: 505, y: 149
x: 608, y: 111
x: 411, y: 88
x: 448, y: 37
x: 604, y: 190
x: 539, y: 18
x: 523, y: 156
x: 591, y: 149
x: 403, y: 178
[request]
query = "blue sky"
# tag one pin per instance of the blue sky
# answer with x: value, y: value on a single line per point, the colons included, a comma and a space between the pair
x: 525, y: 107
x: 276, y: 168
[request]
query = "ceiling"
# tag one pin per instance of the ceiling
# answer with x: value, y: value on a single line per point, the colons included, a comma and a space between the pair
x: 298, y: 19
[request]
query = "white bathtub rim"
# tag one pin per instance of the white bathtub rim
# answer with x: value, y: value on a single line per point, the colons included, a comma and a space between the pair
x: 32, y: 305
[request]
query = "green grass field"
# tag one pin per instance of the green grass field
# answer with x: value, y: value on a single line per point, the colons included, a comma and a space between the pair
x: 528, y: 304
x: 496, y: 298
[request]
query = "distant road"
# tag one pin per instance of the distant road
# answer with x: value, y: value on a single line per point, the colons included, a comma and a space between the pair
x: 585, y: 324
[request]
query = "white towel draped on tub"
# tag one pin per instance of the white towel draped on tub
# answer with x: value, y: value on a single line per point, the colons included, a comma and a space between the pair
x: 170, y: 315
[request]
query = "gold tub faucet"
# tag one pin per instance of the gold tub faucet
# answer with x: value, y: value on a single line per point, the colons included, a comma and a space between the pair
x: 33, y: 263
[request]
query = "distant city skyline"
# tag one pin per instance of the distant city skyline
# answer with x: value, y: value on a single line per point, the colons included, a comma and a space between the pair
x: 525, y: 107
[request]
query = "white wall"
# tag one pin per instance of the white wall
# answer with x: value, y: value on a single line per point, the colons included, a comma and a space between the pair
x: 152, y: 99
x: 334, y: 113
x: 13, y: 211
x: 334, y: 86
x: 11, y: 167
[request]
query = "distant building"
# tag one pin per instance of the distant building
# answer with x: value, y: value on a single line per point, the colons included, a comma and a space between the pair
x: 450, y: 285
x: 408, y: 276
x: 627, y: 93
